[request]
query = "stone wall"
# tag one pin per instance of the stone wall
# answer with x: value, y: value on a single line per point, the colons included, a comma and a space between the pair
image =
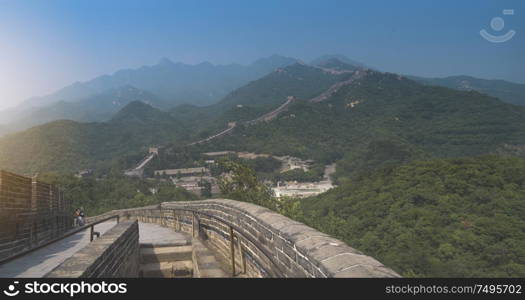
x: 114, y: 255
x: 272, y: 245
x: 31, y: 213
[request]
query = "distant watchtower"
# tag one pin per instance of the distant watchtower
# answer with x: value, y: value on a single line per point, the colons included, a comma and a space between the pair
x: 154, y: 150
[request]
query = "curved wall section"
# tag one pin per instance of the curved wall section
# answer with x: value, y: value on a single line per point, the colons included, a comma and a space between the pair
x: 264, y: 244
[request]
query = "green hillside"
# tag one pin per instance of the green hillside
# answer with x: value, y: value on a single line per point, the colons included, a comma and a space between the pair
x: 385, y: 118
x: 116, y: 191
x: 68, y: 146
x: 257, y: 97
x: 506, y: 91
x: 440, y: 218
x: 380, y: 119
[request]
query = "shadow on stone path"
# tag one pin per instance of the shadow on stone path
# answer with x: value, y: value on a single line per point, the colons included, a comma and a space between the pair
x: 41, y: 261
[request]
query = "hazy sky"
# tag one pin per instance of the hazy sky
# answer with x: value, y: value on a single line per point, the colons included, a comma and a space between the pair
x: 45, y: 45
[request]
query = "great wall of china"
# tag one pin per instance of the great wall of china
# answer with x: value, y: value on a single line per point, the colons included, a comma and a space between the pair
x: 206, y: 238
x: 356, y: 75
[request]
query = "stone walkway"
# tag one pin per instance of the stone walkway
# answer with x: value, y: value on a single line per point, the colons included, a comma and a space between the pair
x: 40, y: 262
x: 157, y: 235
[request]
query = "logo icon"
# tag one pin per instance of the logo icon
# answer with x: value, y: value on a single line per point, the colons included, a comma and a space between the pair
x: 497, y: 24
x: 11, y: 292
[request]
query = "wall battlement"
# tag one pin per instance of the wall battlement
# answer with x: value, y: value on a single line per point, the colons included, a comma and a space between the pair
x: 31, y: 213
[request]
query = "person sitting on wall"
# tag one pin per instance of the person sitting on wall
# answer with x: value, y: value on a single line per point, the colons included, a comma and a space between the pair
x: 76, y: 218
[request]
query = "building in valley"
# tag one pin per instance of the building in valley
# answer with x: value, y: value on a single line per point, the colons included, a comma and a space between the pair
x: 301, y: 190
x: 185, y: 172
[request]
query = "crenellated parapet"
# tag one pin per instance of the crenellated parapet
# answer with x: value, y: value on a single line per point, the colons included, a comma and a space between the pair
x: 31, y: 213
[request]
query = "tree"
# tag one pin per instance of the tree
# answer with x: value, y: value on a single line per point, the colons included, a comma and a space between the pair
x: 240, y: 183
x: 205, y: 188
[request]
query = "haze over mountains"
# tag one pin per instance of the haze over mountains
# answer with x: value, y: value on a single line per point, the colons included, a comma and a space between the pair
x: 357, y: 112
x: 67, y: 146
x: 168, y: 84
x: 163, y: 85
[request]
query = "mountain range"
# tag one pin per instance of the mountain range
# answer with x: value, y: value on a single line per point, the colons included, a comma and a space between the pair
x: 67, y: 146
x: 341, y: 112
x: 164, y: 85
x: 378, y: 119
x: 182, y: 88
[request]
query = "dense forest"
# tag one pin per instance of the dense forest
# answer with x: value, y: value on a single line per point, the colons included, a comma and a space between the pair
x: 461, y: 217
x: 269, y: 169
x: 98, y: 195
x: 68, y: 146
x: 509, y: 92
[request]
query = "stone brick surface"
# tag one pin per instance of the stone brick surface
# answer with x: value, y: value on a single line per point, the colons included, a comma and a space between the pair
x: 273, y: 245
x: 114, y: 255
x: 31, y: 213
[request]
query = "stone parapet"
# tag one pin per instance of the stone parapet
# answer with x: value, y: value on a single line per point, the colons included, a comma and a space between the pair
x: 114, y: 255
x: 272, y: 245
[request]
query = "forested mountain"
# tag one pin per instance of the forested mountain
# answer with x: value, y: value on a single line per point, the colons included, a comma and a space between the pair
x: 439, y: 218
x: 68, y: 146
x: 385, y: 118
x: 504, y: 90
x: 260, y: 96
x: 338, y: 57
x: 370, y: 119
x: 97, y: 108
x: 413, y: 191
x: 194, y: 91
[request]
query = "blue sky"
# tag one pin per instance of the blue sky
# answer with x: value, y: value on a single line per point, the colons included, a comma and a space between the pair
x: 45, y: 45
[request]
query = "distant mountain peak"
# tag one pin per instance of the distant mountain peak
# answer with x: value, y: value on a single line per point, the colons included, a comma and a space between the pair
x: 336, y: 58
x: 205, y: 64
x: 127, y: 87
x: 135, y: 110
x: 336, y: 64
x: 275, y: 59
x: 137, y: 104
x: 165, y: 62
x: 164, y: 85
x: 332, y: 60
